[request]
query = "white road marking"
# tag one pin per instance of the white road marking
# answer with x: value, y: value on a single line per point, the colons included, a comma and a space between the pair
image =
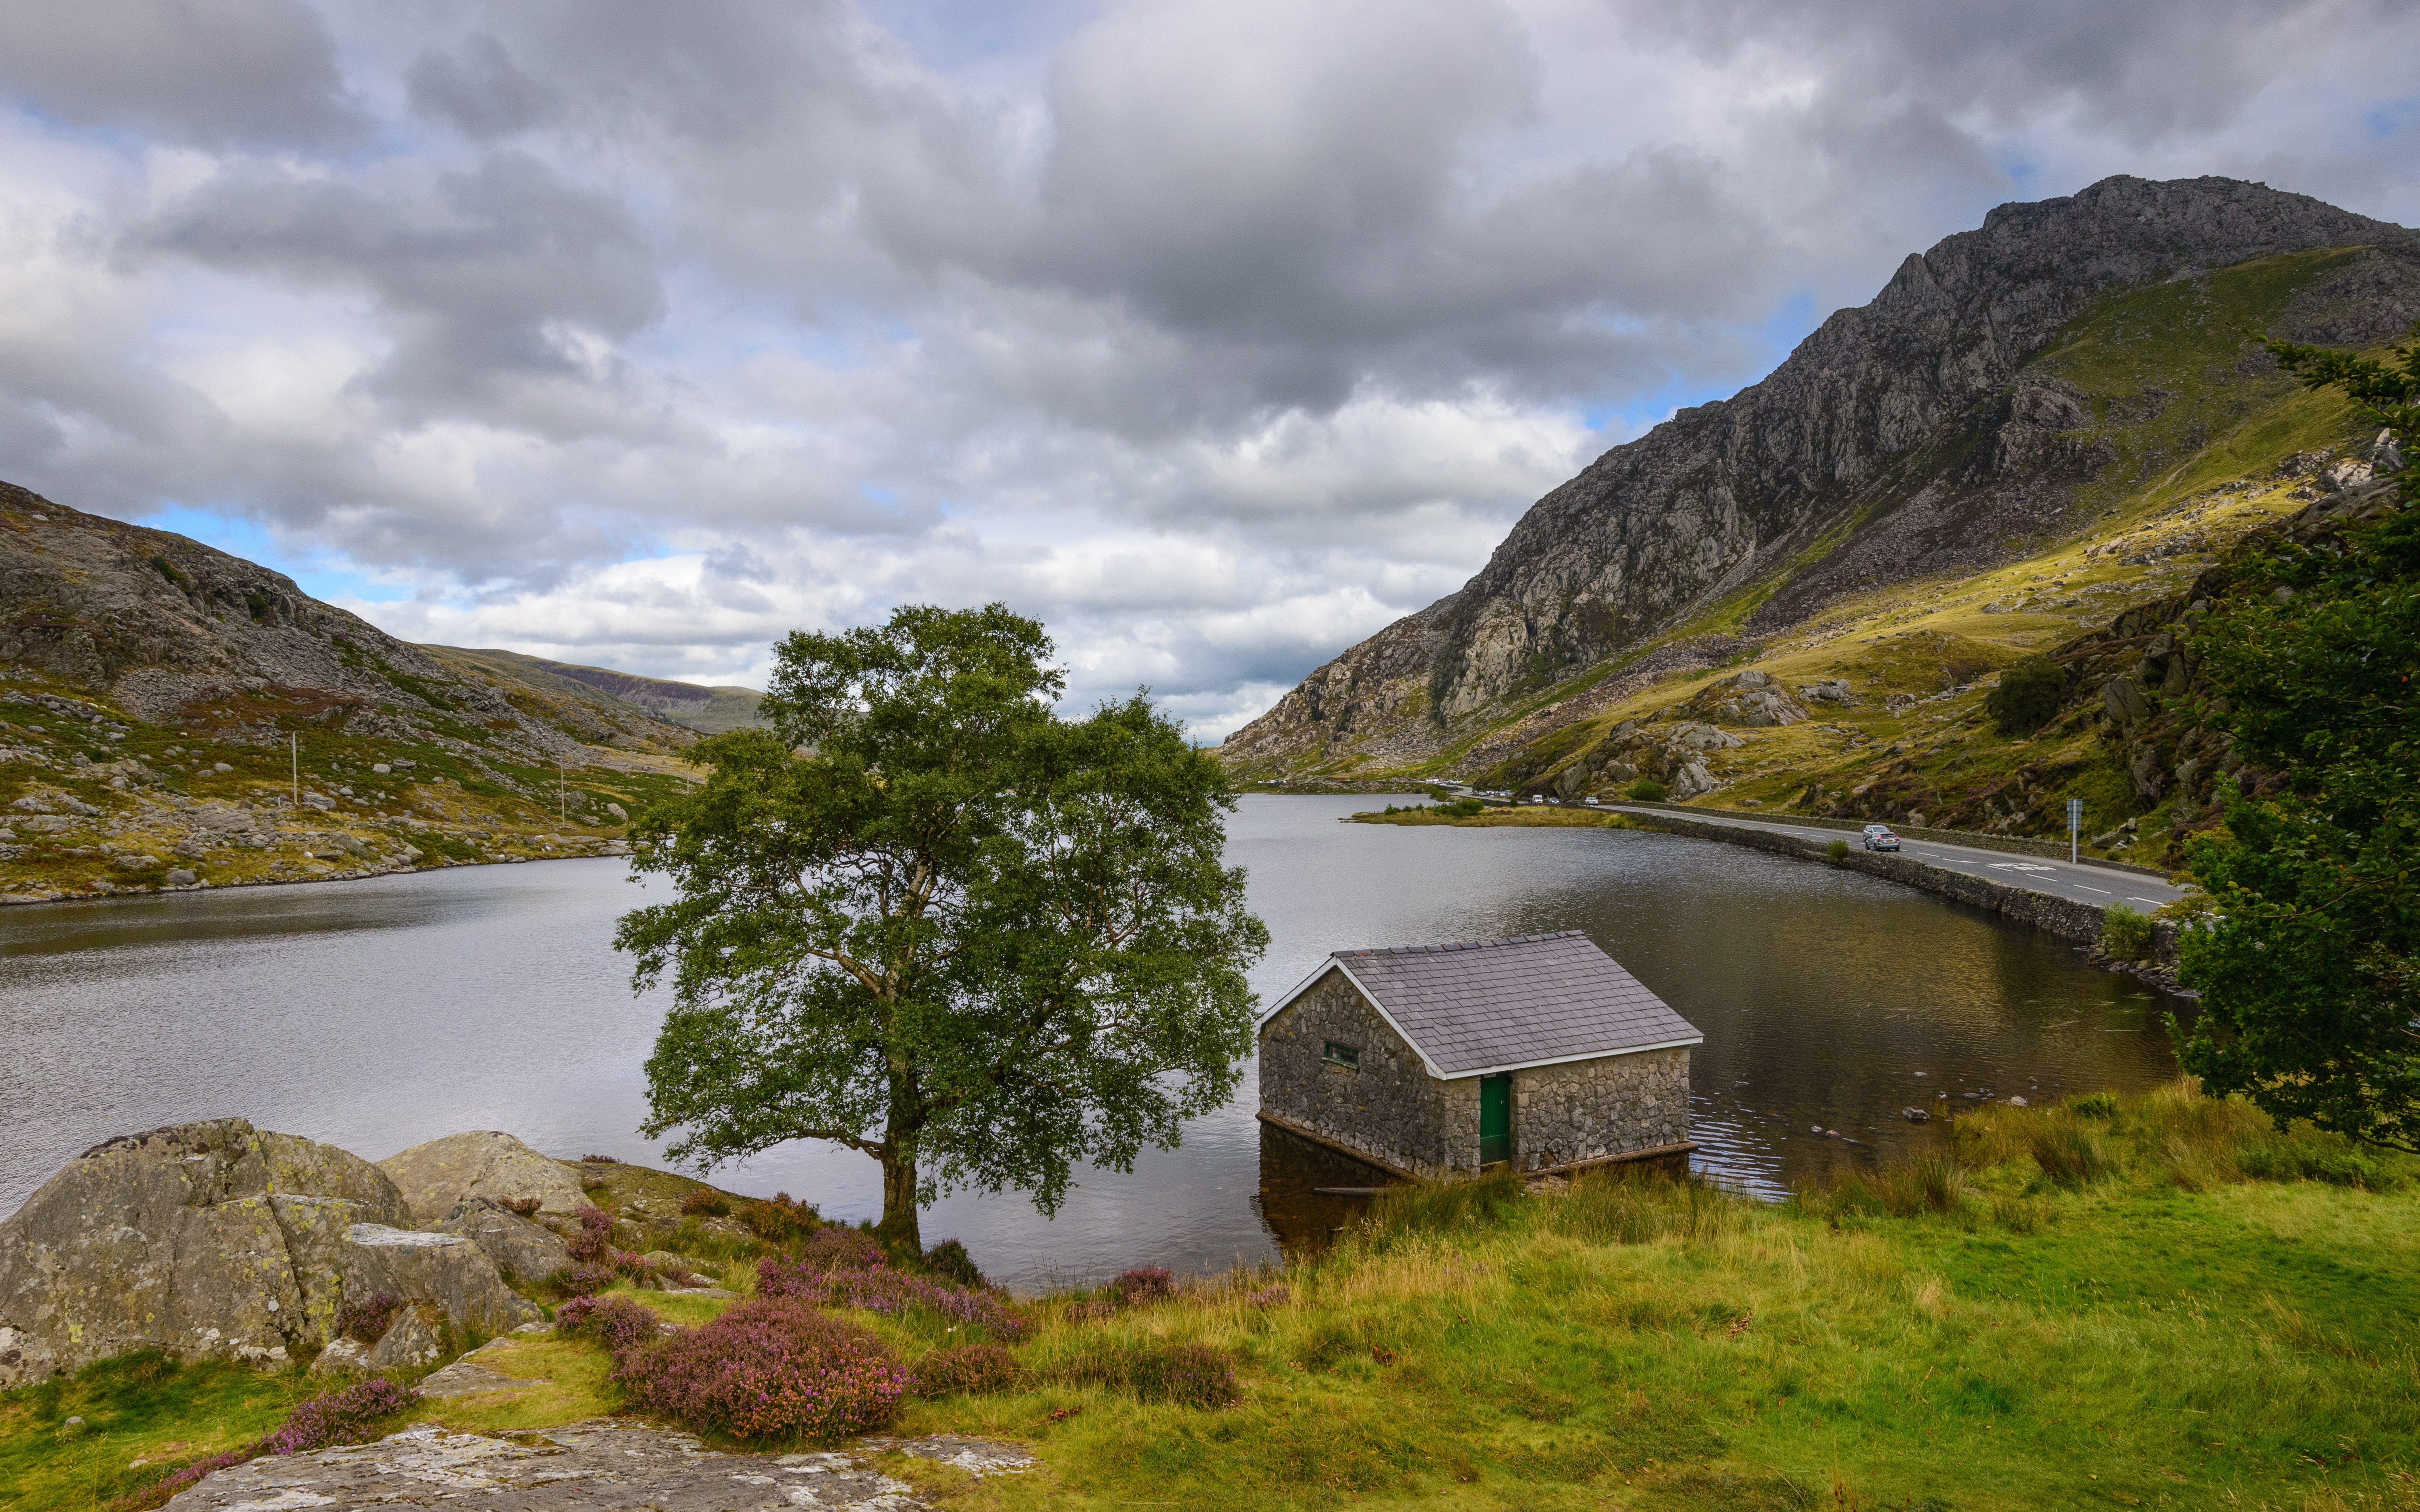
x: 2081, y: 888
x: 2153, y: 901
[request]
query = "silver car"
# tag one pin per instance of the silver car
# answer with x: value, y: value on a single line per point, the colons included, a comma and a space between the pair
x: 1879, y: 837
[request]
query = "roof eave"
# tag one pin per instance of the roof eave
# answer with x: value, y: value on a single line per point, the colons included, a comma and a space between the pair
x: 1565, y: 1060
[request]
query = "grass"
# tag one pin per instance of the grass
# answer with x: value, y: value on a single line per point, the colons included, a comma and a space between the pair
x: 2153, y: 1301
x: 1527, y: 816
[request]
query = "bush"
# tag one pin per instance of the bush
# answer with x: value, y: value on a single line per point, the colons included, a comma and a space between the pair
x: 841, y: 1249
x: 526, y: 1207
x: 367, y: 1322
x: 2068, y: 1155
x: 780, y: 1220
x: 949, y: 1261
x: 706, y: 1203
x: 1646, y: 790
x: 616, y: 1322
x: 2125, y: 933
x: 878, y: 1287
x: 1837, y: 850
x: 970, y: 1367
x: 772, y: 1366
x: 338, y: 1418
x: 2094, y: 1105
x: 1192, y: 1374
x: 1144, y: 1284
x: 2028, y: 696
x: 1275, y: 1296
x: 594, y: 1240
x: 1464, y: 808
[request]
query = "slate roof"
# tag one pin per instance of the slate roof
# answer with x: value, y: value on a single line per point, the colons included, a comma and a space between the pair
x: 1494, y: 1004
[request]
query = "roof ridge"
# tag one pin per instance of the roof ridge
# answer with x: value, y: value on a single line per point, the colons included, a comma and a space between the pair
x: 1456, y: 945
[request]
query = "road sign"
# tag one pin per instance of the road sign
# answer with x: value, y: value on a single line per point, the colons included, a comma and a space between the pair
x: 2074, y: 825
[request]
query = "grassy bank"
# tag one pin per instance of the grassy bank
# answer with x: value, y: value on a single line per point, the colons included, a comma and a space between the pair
x: 2149, y: 1302
x: 1526, y: 816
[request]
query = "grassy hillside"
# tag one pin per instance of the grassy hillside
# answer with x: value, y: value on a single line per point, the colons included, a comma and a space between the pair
x: 2201, y: 440
x: 708, y: 710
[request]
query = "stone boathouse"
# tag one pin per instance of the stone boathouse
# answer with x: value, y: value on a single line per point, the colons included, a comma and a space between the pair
x: 1436, y: 1061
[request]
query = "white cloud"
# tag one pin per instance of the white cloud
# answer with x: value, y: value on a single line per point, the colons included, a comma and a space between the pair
x: 1218, y: 335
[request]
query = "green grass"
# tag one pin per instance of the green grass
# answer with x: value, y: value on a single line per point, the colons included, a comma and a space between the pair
x: 2154, y: 1301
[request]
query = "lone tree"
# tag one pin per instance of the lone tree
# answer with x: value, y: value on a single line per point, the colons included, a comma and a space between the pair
x: 924, y: 918
x: 2307, y: 950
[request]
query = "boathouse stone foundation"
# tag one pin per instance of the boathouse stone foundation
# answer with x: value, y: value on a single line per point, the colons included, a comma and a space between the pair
x: 1389, y: 1110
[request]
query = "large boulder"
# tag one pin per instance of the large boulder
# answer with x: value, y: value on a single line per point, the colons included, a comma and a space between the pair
x: 481, y: 1164
x: 519, y: 1248
x: 217, y: 1240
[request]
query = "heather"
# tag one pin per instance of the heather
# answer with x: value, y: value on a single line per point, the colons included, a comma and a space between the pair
x: 349, y: 1414
x: 842, y: 1268
x: 776, y: 1368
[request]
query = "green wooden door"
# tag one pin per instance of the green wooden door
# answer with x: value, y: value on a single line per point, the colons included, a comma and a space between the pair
x: 1494, y: 1119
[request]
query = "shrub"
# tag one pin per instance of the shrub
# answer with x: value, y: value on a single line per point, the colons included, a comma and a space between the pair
x: 878, y: 1287
x: 1090, y: 1312
x: 949, y: 1261
x: 772, y: 1366
x: 1646, y: 790
x: 841, y: 1249
x: 599, y: 1160
x: 526, y: 1207
x: 1837, y: 850
x: 706, y: 1203
x: 2094, y: 1105
x: 779, y: 1220
x: 1144, y: 1284
x: 616, y: 1322
x: 586, y: 1278
x: 970, y: 1367
x: 1464, y: 808
x: 594, y: 1240
x: 338, y: 1418
x: 2027, y: 698
x: 2125, y: 933
x: 366, y: 1321
x: 1275, y: 1296
x: 1193, y: 1375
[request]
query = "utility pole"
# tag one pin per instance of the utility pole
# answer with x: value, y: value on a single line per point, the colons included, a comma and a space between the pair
x: 294, y: 749
x: 562, y: 796
x: 2074, y: 825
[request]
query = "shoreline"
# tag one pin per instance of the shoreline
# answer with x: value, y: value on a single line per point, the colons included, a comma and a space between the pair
x: 359, y: 874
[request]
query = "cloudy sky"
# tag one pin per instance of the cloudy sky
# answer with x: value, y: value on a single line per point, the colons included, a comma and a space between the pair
x: 1215, y: 334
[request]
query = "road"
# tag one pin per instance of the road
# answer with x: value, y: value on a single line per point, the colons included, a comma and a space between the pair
x: 2085, y: 882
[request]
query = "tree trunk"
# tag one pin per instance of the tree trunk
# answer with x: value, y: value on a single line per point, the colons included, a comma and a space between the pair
x: 898, y: 1224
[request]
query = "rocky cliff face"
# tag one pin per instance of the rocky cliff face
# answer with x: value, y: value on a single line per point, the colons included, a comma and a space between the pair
x: 1902, y: 439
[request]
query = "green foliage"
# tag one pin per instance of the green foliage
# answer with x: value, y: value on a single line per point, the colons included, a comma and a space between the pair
x: 2125, y: 933
x: 2305, y: 955
x: 924, y: 918
x: 1837, y: 850
x: 1646, y: 790
x: 2027, y: 698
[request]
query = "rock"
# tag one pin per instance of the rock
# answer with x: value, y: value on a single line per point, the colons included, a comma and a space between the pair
x: 466, y: 1376
x: 1831, y: 690
x: 381, y: 768
x: 343, y: 1356
x: 183, y: 1238
x: 445, y: 1270
x: 415, y: 1338
x: 519, y: 1248
x: 181, y: 877
x: 482, y: 1162
x: 588, y: 1466
x: 318, y: 800
x: 621, y: 815
x: 1915, y: 1115
x: 2124, y: 700
x: 2017, y: 1102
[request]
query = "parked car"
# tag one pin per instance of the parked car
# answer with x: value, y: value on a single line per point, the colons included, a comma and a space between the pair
x: 1879, y: 837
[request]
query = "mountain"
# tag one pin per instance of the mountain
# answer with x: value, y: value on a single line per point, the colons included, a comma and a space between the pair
x: 2073, y: 369
x: 171, y: 714
x: 708, y: 710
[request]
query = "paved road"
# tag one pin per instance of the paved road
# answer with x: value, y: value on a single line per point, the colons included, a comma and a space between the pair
x: 2084, y: 882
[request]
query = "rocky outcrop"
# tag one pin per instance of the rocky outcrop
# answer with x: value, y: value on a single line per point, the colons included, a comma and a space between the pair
x: 1903, y: 438
x: 519, y: 1248
x: 217, y: 1240
x: 482, y: 1162
x: 585, y: 1466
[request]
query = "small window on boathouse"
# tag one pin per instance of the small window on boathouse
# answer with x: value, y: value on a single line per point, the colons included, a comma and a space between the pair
x: 1340, y: 1055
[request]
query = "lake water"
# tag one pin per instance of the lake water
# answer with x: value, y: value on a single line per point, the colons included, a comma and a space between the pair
x: 379, y: 1014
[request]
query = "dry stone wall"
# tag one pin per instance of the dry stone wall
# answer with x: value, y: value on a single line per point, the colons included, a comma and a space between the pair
x: 1389, y: 1109
x: 1591, y: 1110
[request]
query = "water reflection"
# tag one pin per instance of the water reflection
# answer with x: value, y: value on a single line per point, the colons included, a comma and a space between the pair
x: 379, y: 1014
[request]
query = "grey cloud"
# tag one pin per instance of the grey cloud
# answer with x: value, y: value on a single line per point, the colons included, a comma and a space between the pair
x: 217, y: 72
x: 484, y: 278
x: 478, y: 90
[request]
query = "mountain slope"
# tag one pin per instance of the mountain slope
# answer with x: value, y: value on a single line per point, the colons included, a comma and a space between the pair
x: 708, y: 710
x: 173, y: 716
x: 1921, y: 439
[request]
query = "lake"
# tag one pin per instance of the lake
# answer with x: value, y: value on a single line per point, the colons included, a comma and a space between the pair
x: 379, y: 1014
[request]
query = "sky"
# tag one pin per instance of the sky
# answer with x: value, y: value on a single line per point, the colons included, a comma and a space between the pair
x: 1213, y: 335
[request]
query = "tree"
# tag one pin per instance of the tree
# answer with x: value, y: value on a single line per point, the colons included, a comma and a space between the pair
x: 924, y: 918
x: 2303, y: 950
